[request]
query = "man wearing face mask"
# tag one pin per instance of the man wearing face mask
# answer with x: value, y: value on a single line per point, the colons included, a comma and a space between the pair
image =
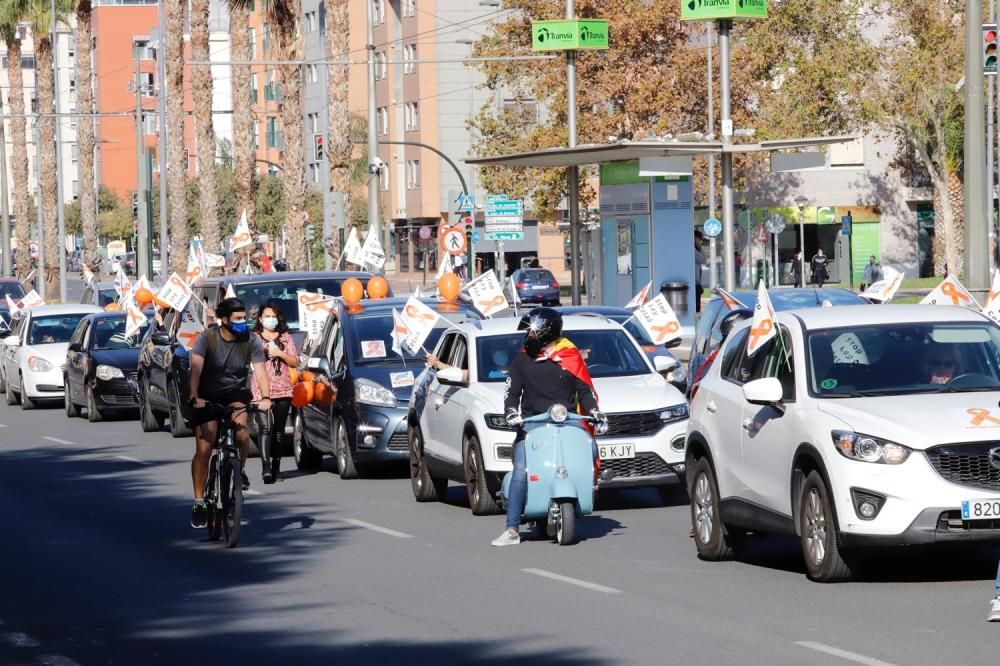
x: 220, y: 373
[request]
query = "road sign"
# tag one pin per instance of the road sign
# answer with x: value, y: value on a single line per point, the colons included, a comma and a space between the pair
x: 712, y: 227
x: 502, y: 208
x: 475, y: 236
x: 504, y: 235
x: 425, y: 233
x: 775, y: 223
x: 700, y: 10
x: 846, y: 224
x: 466, y: 204
x: 454, y: 241
x: 569, y: 35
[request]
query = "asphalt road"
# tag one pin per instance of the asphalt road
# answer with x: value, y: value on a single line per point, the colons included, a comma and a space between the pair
x: 102, y: 567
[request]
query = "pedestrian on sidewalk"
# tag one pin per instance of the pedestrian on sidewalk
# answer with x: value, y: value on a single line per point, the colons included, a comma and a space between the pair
x: 873, y: 272
x: 797, y: 270
x: 994, y: 614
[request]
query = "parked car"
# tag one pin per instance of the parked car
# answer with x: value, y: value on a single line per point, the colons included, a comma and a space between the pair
x: 708, y: 336
x: 162, y: 372
x: 6, y: 324
x: 100, y: 294
x: 536, y: 285
x: 129, y: 263
x: 35, y: 351
x: 457, y: 429
x: 10, y: 287
x: 366, y: 425
x: 859, y: 428
x: 102, y: 366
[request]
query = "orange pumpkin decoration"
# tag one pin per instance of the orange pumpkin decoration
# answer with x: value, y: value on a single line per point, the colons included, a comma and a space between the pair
x: 324, y: 394
x: 306, y: 376
x: 293, y: 374
x: 378, y: 287
x: 143, y: 297
x: 352, y: 291
x: 302, y: 394
x: 449, y: 286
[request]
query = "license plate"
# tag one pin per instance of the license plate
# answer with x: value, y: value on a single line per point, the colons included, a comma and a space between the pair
x: 982, y: 509
x: 616, y: 451
x: 539, y: 286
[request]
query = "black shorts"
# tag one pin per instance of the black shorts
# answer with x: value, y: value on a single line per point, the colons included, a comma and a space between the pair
x: 209, y: 414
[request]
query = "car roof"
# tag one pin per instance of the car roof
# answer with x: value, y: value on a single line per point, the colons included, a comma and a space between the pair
x: 606, y: 310
x: 869, y: 315
x: 784, y: 298
x: 65, y: 308
x: 296, y: 276
x: 108, y: 314
x: 504, y: 325
x: 9, y: 280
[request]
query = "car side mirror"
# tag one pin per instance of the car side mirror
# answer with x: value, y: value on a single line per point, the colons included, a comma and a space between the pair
x: 765, y: 391
x: 76, y: 347
x: 670, y: 344
x: 665, y: 363
x: 451, y: 377
x: 161, y: 338
x: 12, y: 341
x: 319, y: 364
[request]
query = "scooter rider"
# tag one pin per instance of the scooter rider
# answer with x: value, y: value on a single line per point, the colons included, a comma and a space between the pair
x: 549, y: 370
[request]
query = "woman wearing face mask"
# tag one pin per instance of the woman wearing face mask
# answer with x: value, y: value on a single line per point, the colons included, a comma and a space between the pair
x: 279, y: 347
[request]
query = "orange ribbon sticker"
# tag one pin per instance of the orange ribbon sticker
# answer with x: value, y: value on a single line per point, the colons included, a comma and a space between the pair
x: 314, y: 302
x: 413, y: 313
x: 765, y: 327
x: 188, y: 338
x: 495, y: 301
x: 177, y: 281
x: 240, y: 238
x: 664, y: 331
x: 948, y: 289
x: 981, y: 415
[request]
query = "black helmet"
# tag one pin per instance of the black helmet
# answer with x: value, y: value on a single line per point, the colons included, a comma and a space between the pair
x: 543, y: 325
x: 731, y: 319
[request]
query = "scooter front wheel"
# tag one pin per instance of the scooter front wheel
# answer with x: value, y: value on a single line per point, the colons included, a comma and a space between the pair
x: 566, y: 526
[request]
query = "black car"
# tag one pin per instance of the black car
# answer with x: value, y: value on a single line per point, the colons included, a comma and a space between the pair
x: 101, y: 366
x: 366, y: 424
x: 162, y: 374
x: 536, y: 285
x: 708, y: 337
x: 99, y: 293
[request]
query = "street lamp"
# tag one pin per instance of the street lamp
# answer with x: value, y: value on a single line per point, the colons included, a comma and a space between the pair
x: 801, y: 202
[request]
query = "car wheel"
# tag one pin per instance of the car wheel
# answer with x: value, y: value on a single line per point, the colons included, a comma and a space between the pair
x: 3, y: 380
x: 26, y: 401
x: 12, y: 397
x: 307, y: 459
x: 148, y: 419
x: 713, y: 540
x: 345, y: 460
x: 824, y: 560
x: 426, y: 488
x: 178, y: 428
x: 72, y: 411
x: 93, y: 413
x: 481, y: 501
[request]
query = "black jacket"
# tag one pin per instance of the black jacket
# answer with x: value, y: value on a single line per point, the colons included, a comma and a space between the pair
x: 534, y: 385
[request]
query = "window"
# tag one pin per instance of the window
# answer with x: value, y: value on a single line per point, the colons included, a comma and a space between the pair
x: 409, y: 59
x: 275, y: 139
x: 850, y: 154
x: 383, y: 179
x: 378, y: 10
x: 252, y: 40
x: 150, y: 123
x: 272, y: 89
x: 314, y: 172
x: 523, y: 110
x: 413, y: 174
x: 75, y: 151
x: 409, y: 8
x: 382, y: 114
x: 381, y: 65
x: 267, y: 39
x: 625, y: 247
x: 145, y: 82
x: 311, y: 21
x: 253, y: 88
x: 412, y: 117
x: 312, y: 75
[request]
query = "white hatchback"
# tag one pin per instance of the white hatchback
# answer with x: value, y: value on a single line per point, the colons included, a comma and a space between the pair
x: 457, y: 430
x: 859, y: 427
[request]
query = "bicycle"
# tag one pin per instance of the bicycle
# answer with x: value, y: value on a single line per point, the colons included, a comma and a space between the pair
x: 224, y: 492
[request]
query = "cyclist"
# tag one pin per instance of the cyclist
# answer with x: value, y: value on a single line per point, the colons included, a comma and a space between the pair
x: 221, y: 361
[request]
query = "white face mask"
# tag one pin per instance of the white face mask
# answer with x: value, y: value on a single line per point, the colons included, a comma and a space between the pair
x: 270, y: 323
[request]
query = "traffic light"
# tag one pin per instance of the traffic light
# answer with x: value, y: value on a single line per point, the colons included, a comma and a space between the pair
x: 467, y: 225
x: 317, y: 147
x: 989, y: 47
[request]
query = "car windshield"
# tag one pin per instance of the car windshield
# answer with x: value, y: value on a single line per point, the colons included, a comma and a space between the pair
x: 106, y: 296
x: 370, y: 337
x: 52, y: 329
x: 535, y: 276
x: 608, y: 353
x: 110, y: 334
x: 255, y: 294
x: 634, y: 329
x: 901, y: 359
x: 12, y: 289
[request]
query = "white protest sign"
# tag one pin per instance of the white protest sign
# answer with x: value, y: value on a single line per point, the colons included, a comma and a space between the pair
x: 641, y: 297
x: 420, y: 320
x: 241, y: 237
x: 763, y: 327
x: 886, y: 288
x: 195, y: 270
x: 189, y: 330
x: 352, y: 249
x: 372, y: 253
x: 847, y: 349
x: 487, y: 294
x: 313, y: 312
x: 950, y: 292
x: 134, y: 319
x: 399, y: 332
x: 15, y: 308
x: 175, y: 293
x: 659, y: 320
x: 32, y: 300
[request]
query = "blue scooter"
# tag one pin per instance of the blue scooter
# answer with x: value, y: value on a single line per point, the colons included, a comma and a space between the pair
x: 560, y: 465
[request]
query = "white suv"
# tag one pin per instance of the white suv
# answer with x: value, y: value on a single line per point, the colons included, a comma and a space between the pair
x: 457, y: 430
x: 866, y: 427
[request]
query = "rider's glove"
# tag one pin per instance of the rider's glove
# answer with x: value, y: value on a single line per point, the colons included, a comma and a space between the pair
x: 600, y: 422
x: 513, y: 417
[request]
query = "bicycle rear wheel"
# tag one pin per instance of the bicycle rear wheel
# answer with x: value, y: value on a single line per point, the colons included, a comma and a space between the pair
x: 232, y: 501
x: 211, y: 502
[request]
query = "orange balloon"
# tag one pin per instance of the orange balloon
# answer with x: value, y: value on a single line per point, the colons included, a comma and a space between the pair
x: 112, y: 307
x: 143, y: 297
x: 352, y: 291
x: 307, y: 376
x: 302, y: 394
x: 293, y: 374
x: 378, y: 287
x: 324, y: 394
x: 449, y: 286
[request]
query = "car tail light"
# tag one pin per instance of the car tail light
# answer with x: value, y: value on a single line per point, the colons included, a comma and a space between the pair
x: 520, y: 285
x: 555, y: 285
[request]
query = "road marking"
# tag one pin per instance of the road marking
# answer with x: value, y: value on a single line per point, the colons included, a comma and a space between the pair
x: 56, y: 660
x: 251, y: 491
x: 3, y: 425
x: 376, y: 528
x: 572, y: 581
x: 57, y: 440
x: 843, y: 654
x: 17, y: 639
x: 132, y: 460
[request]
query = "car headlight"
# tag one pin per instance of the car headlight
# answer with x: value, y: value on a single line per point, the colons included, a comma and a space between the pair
x: 368, y: 392
x: 865, y: 448
x: 108, y: 372
x: 38, y: 364
x: 498, y: 422
x: 675, y: 413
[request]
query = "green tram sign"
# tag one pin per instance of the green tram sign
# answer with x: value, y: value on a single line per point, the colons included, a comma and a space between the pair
x: 569, y: 35
x: 701, y: 10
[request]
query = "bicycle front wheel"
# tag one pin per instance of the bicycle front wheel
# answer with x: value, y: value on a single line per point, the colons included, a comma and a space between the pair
x: 232, y: 500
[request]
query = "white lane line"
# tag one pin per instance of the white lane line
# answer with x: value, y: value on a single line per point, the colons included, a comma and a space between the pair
x: 17, y: 639
x: 132, y: 460
x: 57, y: 440
x: 251, y: 491
x: 3, y: 425
x: 56, y: 660
x: 843, y: 654
x: 376, y: 528
x: 572, y: 581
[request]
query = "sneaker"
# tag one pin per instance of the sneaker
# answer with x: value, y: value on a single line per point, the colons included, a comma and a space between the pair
x: 507, y: 539
x: 246, y: 481
x: 199, y: 515
x: 994, y: 614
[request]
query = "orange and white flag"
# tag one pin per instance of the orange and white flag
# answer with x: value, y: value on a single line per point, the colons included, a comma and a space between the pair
x: 763, y: 327
x: 400, y: 332
x: 659, y: 320
x: 730, y: 301
x: 487, y: 294
x: 950, y: 292
x: 991, y: 308
x: 241, y: 237
x: 640, y: 298
x: 88, y: 275
x: 32, y: 300
x: 134, y: 319
x: 886, y: 288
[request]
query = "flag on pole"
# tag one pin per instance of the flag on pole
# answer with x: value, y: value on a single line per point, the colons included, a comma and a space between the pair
x: 420, y: 320
x: 14, y: 307
x: 230, y: 292
x: 32, y: 300
x: 195, y: 269
x: 372, y: 253
x: 88, y: 275
x: 122, y: 285
x: 730, y: 301
x: 641, y: 298
x: 991, y: 308
x: 659, y: 320
x: 487, y: 294
x: 763, y: 327
x: 884, y: 290
x: 241, y: 237
x: 950, y: 292
x: 134, y: 319
x: 352, y: 249
x: 400, y: 331
x: 174, y: 294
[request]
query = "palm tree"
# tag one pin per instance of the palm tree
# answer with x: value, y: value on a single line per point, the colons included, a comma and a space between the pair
x: 244, y: 125
x: 338, y: 145
x: 85, y: 129
x: 201, y: 91
x: 11, y: 13
x: 173, y: 41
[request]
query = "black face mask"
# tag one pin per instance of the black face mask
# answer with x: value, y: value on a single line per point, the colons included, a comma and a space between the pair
x: 533, y: 345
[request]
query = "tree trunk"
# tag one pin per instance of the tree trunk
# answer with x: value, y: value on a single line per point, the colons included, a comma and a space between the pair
x: 85, y: 130
x: 244, y: 125
x: 293, y: 173
x: 201, y: 87
x: 176, y: 178
x: 49, y: 186
x: 956, y: 201
x: 19, y: 159
x: 338, y: 146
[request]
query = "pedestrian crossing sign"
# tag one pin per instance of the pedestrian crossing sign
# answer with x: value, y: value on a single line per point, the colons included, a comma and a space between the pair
x: 466, y: 204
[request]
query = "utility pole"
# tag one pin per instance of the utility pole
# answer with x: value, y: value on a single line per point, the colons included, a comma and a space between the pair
x: 990, y: 126
x: 373, y: 180
x: 7, y: 269
x: 60, y: 213
x: 142, y: 252
x: 161, y: 148
x: 713, y: 276
x: 40, y: 264
x: 573, y: 174
x: 728, y: 260
x: 977, y: 265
